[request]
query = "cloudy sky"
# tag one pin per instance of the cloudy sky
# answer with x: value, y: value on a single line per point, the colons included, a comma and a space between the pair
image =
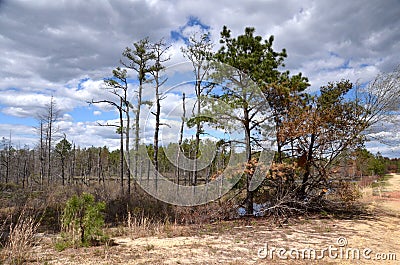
x: 65, y: 48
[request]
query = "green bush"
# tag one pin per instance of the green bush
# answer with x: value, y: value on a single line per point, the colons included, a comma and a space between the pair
x: 82, y: 220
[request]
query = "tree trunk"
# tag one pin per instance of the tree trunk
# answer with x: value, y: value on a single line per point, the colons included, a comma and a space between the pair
x: 180, y: 138
x: 49, y: 138
x: 18, y: 166
x: 25, y: 172
x: 41, y: 155
x: 127, y: 140
x: 249, y: 193
x: 198, y: 125
x: 137, y: 133
x: 156, y: 129
x: 99, y: 167
x: 72, y: 173
x: 307, y: 167
x: 62, y: 170
x: 121, y: 152
x: 127, y: 136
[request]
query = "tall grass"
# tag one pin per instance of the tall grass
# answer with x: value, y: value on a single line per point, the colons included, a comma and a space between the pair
x: 17, y: 249
x: 142, y: 226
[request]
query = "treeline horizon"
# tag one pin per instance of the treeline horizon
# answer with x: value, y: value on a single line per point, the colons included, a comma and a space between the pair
x: 99, y: 164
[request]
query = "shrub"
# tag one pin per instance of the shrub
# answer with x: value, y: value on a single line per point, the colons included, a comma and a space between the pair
x: 348, y: 193
x: 83, y: 219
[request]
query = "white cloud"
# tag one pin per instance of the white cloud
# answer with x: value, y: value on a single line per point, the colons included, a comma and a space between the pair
x: 16, y: 112
x: 67, y: 117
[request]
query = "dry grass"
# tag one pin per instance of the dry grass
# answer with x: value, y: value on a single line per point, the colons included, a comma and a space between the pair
x: 21, y: 238
x: 142, y: 226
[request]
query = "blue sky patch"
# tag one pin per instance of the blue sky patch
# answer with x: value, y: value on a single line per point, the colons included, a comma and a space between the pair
x: 193, y: 21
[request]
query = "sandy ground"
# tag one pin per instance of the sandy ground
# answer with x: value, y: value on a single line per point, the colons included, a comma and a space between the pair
x: 239, y: 242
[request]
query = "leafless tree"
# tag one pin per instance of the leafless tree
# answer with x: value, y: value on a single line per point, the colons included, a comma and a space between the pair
x: 46, y: 119
x: 381, y: 100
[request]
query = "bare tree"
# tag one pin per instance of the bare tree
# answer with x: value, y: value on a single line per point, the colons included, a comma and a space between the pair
x: 52, y: 116
x: 46, y: 119
x: 42, y: 152
x: 381, y: 100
